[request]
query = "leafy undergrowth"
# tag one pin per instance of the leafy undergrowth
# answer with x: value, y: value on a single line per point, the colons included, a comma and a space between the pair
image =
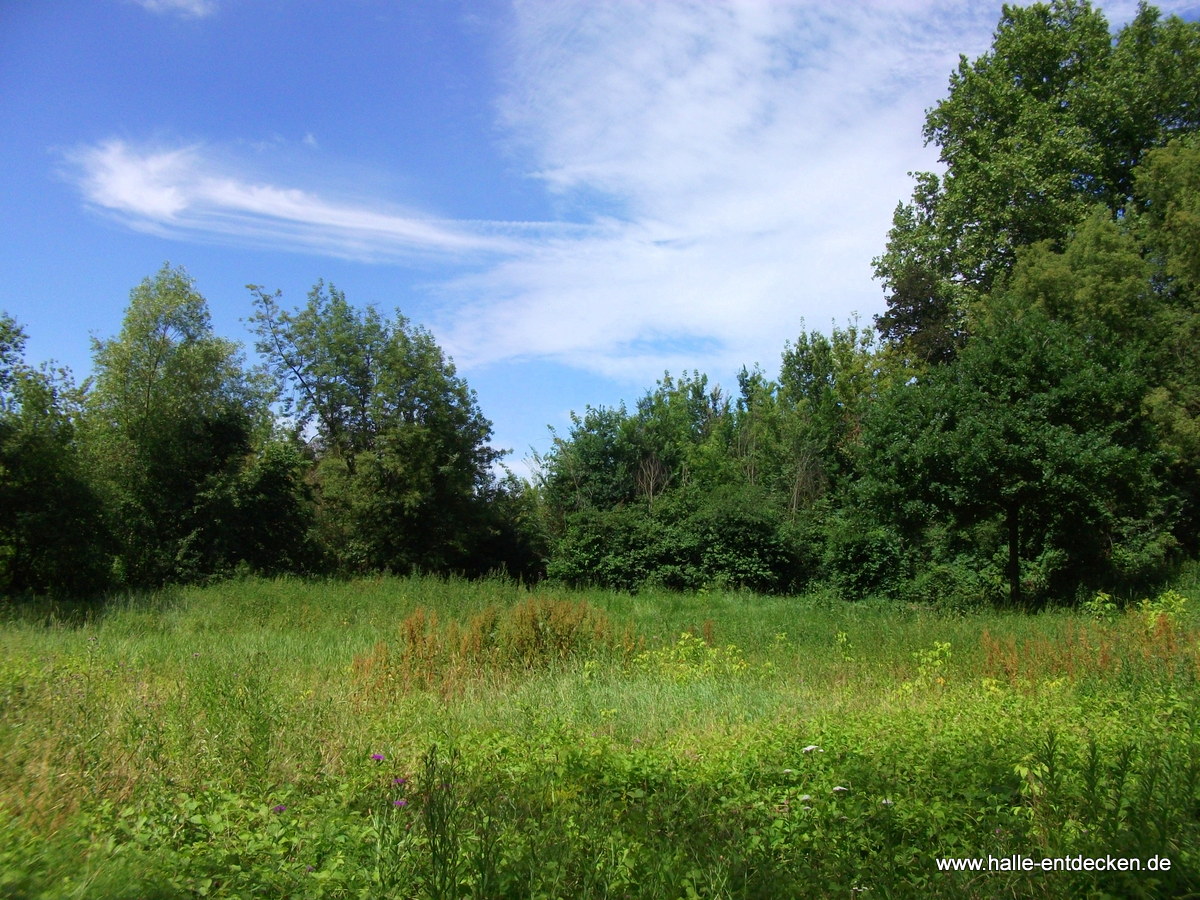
x: 411, y: 738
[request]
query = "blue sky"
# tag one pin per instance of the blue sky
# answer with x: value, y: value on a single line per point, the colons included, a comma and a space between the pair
x: 572, y: 195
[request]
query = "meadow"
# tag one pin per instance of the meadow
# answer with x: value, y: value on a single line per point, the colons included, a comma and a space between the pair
x: 423, y: 737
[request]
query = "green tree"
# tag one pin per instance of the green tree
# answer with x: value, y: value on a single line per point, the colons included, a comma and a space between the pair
x: 668, y: 494
x: 403, y: 469
x: 1168, y: 228
x: 825, y: 386
x: 52, y: 536
x: 1099, y: 283
x: 170, y: 422
x: 1051, y: 121
x: 1036, y: 430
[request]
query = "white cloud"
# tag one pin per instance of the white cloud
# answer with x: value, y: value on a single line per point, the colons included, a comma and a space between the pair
x: 750, y: 155
x: 736, y: 166
x: 191, y: 192
x: 192, y: 8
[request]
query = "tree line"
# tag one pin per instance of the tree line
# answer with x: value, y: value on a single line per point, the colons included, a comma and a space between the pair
x: 1019, y: 425
x: 355, y: 448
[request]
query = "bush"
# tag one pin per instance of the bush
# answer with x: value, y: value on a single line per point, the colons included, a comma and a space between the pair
x: 864, y: 561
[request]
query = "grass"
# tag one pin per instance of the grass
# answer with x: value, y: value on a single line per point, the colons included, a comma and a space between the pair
x: 420, y: 737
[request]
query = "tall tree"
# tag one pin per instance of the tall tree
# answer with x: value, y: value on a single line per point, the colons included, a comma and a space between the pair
x: 1051, y: 121
x: 404, y: 464
x: 52, y: 536
x: 171, y: 420
x: 1033, y: 428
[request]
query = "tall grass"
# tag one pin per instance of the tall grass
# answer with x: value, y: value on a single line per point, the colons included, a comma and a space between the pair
x: 432, y: 737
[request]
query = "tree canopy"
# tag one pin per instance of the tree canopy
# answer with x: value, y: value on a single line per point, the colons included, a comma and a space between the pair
x: 1049, y: 123
x: 404, y: 459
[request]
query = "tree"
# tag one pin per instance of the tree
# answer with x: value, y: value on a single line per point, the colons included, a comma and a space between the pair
x: 52, y: 536
x: 665, y: 495
x: 1038, y: 430
x: 403, y: 469
x: 1051, y: 121
x: 170, y: 422
x: 825, y: 386
x: 593, y: 467
x: 1098, y: 283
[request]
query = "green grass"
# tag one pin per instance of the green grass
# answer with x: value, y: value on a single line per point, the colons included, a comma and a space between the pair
x: 570, y: 744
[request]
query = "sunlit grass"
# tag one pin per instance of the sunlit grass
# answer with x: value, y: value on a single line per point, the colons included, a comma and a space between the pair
x: 657, y: 711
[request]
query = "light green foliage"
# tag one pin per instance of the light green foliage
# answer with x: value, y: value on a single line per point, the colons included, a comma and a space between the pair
x: 691, y: 658
x: 1168, y: 607
x: 1168, y: 186
x: 932, y: 665
x: 1099, y: 283
x: 217, y: 742
x: 1100, y: 606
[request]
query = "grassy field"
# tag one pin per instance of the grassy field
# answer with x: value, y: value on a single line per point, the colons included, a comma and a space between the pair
x: 428, y: 738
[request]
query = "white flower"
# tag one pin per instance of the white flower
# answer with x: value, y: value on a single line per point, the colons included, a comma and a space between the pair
x: 812, y: 748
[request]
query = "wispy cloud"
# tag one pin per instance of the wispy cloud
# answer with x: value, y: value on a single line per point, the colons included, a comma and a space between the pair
x: 192, y: 193
x: 195, y: 9
x: 749, y: 156
x: 735, y: 167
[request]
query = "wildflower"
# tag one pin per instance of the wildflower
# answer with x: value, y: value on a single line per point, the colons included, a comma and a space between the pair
x: 841, y: 790
x: 400, y: 804
x: 399, y: 781
x: 806, y: 798
x: 812, y: 748
x: 378, y: 757
x: 278, y: 809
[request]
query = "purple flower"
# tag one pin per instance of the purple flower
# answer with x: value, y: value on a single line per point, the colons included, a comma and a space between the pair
x: 400, y: 804
x: 378, y: 757
x: 278, y: 809
x: 399, y: 781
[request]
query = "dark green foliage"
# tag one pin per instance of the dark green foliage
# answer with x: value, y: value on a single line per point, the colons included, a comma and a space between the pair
x: 52, y: 530
x: 1036, y: 428
x: 169, y: 425
x: 265, y: 514
x: 864, y: 560
x: 728, y: 538
x: 691, y: 491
